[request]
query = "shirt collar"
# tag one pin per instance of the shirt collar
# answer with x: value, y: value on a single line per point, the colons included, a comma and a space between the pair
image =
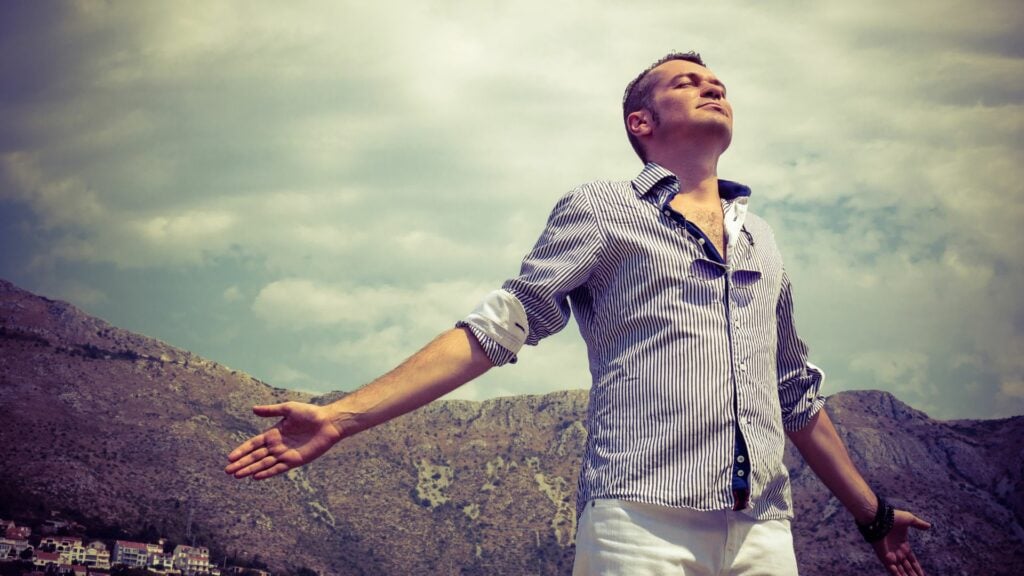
x: 655, y: 178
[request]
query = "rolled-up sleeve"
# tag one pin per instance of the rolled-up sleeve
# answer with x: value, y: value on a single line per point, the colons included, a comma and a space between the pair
x: 535, y: 304
x: 799, y: 380
x: 500, y: 325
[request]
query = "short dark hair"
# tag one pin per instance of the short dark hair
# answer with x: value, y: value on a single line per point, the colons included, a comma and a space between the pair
x: 639, y: 91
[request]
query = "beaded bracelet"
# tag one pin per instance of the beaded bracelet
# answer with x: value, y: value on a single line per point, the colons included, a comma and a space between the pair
x: 885, y: 516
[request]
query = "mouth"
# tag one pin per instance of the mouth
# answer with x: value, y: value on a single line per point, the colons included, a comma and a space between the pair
x: 715, y: 106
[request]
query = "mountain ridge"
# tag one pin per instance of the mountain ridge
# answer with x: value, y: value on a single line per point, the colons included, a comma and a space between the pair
x: 117, y: 427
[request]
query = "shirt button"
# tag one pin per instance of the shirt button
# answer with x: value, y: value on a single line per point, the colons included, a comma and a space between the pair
x: 743, y: 366
x: 739, y: 473
x: 745, y: 420
x: 741, y: 459
x: 667, y: 212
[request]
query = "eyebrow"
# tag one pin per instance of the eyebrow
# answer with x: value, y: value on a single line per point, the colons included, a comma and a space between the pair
x: 695, y: 76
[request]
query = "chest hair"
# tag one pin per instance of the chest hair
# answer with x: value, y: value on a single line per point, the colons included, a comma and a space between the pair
x: 711, y: 223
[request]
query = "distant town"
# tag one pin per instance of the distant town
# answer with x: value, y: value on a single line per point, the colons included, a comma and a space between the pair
x: 51, y: 554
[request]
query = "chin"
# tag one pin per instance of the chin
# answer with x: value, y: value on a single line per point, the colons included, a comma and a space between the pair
x: 719, y: 131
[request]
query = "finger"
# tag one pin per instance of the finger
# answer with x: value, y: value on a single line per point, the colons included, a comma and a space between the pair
x: 272, y: 471
x: 892, y: 569
x: 270, y: 410
x: 900, y: 570
x: 247, y: 446
x: 254, y: 456
x: 916, y: 565
x: 255, y: 467
x: 919, y: 524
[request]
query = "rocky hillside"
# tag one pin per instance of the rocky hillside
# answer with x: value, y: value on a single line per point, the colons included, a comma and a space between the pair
x: 118, y: 429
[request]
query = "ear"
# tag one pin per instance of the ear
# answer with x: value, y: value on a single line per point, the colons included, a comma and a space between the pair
x: 640, y: 123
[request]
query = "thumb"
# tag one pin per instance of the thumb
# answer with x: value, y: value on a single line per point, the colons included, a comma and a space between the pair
x: 270, y: 410
x: 919, y: 524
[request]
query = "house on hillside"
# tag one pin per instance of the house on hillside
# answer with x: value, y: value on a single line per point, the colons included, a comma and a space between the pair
x: 162, y: 563
x: 14, y: 532
x: 193, y: 560
x: 53, y: 526
x: 10, y: 547
x: 131, y: 553
x: 46, y: 559
x: 61, y: 543
x: 93, y: 555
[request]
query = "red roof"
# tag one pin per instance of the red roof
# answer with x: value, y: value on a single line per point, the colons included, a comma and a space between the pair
x: 128, y: 544
x: 51, y: 556
x: 18, y: 532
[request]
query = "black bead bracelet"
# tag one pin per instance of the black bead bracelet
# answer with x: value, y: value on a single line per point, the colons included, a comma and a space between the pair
x: 885, y: 516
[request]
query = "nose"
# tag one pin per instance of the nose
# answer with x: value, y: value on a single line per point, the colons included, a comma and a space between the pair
x: 712, y: 91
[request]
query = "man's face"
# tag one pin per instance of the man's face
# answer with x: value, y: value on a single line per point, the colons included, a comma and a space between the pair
x: 689, y: 101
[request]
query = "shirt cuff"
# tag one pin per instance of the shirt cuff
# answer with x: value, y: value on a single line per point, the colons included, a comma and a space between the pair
x: 807, y: 404
x: 499, y: 323
x: 496, y: 353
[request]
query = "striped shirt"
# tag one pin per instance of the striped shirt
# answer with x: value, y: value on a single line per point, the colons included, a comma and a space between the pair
x: 684, y: 350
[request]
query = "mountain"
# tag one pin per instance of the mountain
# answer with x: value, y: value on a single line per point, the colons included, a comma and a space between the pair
x: 120, y: 431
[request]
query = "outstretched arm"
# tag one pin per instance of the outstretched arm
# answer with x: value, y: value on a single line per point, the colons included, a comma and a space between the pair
x: 306, y: 431
x: 825, y: 453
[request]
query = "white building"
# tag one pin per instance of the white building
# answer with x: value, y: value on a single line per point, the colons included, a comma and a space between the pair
x: 131, y: 553
x: 9, y: 546
x: 94, y: 555
x: 192, y: 560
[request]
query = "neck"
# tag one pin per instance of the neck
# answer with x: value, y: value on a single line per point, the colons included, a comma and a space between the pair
x: 696, y: 169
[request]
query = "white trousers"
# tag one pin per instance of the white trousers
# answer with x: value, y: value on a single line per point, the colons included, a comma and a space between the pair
x: 620, y: 538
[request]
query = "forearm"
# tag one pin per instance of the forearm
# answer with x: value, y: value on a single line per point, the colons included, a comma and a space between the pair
x: 449, y: 361
x: 824, y: 451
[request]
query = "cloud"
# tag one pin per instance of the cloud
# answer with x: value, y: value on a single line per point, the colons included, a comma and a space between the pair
x: 191, y: 226
x: 298, y: 303
x: 1013, y: 389
x: 374, y: 329
x: 83, y: 294
x: 232, y: 294
x: 370, y: 172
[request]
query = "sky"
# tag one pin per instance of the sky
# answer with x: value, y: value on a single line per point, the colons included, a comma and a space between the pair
x: 309, y: 192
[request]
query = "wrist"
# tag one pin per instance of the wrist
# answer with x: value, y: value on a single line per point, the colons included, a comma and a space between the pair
x: 880, y: 524
x: 345, y: 417
x: 864, y: 512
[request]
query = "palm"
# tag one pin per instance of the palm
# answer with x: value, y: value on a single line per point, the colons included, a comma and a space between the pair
x: 894, y: 550
x: 301, y: 436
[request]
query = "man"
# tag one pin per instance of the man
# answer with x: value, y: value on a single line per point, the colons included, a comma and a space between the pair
x: 698, y: 374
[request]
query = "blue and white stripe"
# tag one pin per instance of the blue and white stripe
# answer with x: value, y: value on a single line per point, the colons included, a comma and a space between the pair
x: 682, y: 349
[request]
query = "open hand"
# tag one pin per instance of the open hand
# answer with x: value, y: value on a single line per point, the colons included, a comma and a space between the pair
x: 894, y: 550
x: 301, y: 436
